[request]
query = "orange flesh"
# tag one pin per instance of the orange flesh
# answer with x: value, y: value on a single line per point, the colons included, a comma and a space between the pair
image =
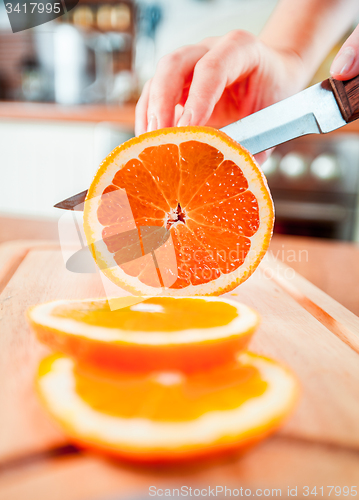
x: 201, y: 198
x: 169, y: 397
x: 164, y: 314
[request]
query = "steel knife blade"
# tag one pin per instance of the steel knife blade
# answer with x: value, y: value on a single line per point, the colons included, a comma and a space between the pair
x: 313, y: 111
x: 319, y: 109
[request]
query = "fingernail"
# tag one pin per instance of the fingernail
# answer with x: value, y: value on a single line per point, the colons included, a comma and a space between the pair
x: 152, y: 124
x: 185, y: 119
x: 343, y: 61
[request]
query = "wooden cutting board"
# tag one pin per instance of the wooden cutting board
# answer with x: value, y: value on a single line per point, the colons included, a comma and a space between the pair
x: 301, y: 326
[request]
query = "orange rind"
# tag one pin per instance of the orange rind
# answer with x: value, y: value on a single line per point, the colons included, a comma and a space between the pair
x: 159, y: 333
x: 165, y: 417
x: 200, y: 186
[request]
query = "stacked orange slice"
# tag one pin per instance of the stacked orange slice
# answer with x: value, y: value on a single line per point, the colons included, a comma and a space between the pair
x: 160, y: 333
x: 155, y: 391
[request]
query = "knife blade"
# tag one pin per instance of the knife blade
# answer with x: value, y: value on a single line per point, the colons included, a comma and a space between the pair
x: 75, y: 202
x: 319, y: 109
x: 312, y: 111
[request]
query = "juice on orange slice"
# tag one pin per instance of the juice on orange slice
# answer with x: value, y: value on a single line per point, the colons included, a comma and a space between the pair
x: 168, y: 416
x: 159, y: 333
x: 199, y: 185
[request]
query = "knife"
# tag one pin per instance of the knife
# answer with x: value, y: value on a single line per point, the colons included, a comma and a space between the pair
x: 319, y: 109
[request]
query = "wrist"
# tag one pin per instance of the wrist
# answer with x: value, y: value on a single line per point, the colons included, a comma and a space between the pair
x: 298, y: 65
x: 291, y: 71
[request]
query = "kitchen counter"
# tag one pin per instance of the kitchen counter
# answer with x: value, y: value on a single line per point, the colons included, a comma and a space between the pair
x: 124, y: 115
x: 332, y: 266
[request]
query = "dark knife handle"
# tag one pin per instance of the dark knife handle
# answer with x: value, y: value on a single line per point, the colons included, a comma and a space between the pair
x: 347, y: 96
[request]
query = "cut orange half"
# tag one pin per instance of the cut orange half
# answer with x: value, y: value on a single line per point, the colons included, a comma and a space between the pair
x: 168, y: 416
x: 160, y: 333
x: 185, y: 210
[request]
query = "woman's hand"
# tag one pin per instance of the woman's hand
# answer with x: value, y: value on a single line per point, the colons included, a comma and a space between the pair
x: 223, y: 79
x: 218, y: 81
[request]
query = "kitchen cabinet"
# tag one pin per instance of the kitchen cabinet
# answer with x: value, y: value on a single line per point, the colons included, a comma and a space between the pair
x: 48, y: 153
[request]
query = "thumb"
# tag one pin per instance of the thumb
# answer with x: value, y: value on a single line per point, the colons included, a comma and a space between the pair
x: 346, y: 63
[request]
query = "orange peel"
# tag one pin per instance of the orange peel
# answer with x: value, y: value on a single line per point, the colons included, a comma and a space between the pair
x: 160, y: 333
x: 168, y: 416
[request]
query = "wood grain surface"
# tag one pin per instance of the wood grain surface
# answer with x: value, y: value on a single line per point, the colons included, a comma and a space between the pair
x: 319, y: 442
x: 277, y: 463
x: 347, y: 96
x: 333, y: 266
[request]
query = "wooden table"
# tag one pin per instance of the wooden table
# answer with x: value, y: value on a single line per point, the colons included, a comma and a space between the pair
x: 301, y: 326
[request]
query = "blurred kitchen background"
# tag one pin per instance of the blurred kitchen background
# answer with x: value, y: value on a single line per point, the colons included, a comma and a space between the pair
x: 68, y: 90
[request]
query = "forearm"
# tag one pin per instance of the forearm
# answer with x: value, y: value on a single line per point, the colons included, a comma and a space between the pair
x: 309, y: 28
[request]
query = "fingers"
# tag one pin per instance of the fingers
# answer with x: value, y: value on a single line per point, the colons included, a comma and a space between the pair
x: 178, y: 112
x: 141, y: 110
x: 231, y: 59
x: 156, y: 107
x: 346, y: 63
x: 208, y: 67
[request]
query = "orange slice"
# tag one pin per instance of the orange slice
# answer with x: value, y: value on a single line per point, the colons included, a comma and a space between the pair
x: 202, y: 189
x: 166, y: 416
x: 160, y: 333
